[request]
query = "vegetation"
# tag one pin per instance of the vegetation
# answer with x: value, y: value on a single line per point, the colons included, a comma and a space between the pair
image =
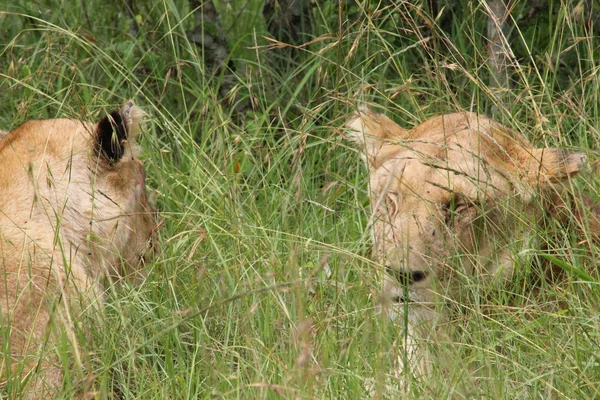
x: 264, y: 286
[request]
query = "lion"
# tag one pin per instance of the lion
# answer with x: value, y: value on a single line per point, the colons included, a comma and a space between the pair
x: 457, y: 196
x: 74, y: 216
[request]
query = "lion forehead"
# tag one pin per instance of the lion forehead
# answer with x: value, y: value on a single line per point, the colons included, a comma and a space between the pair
x: 434, y: 177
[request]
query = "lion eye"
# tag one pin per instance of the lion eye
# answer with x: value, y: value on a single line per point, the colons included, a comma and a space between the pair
x: 456, y: 208
x: 391, y: 203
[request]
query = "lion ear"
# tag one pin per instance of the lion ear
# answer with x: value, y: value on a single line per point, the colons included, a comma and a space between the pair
x: 551, y: 165
x: 375, y: 134
x: 116, y: 131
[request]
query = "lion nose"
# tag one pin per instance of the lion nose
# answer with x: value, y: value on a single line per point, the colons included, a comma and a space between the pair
x: 406, y: 277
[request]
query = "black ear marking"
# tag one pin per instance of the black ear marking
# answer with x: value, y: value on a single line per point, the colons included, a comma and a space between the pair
x: 110, y: 136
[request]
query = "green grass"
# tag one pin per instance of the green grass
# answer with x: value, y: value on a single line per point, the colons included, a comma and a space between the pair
x: 264, y: 287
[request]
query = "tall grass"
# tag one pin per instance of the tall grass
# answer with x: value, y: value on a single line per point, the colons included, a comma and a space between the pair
x: 264, y: 287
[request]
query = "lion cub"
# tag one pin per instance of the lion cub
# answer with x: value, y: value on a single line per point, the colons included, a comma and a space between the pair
x: 73, y: 212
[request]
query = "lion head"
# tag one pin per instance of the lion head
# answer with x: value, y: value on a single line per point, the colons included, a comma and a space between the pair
x: 456, y: 195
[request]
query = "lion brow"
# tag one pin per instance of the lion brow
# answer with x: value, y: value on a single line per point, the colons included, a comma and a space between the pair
x: 442, y: 187
x: 457, y: 172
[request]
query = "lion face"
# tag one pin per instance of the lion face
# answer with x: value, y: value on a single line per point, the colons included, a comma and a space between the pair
x: 456, y: 195
x: 131, y: 232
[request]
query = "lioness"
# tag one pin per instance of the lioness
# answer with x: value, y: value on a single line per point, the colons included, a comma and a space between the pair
x: 458, y: 195
x: 73, y: 214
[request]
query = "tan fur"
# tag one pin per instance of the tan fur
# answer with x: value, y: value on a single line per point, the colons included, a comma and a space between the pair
x: 69, y: 219
x: 454, y: 196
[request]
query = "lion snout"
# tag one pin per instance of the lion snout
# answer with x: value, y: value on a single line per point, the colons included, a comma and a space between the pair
x: 406, y: 276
